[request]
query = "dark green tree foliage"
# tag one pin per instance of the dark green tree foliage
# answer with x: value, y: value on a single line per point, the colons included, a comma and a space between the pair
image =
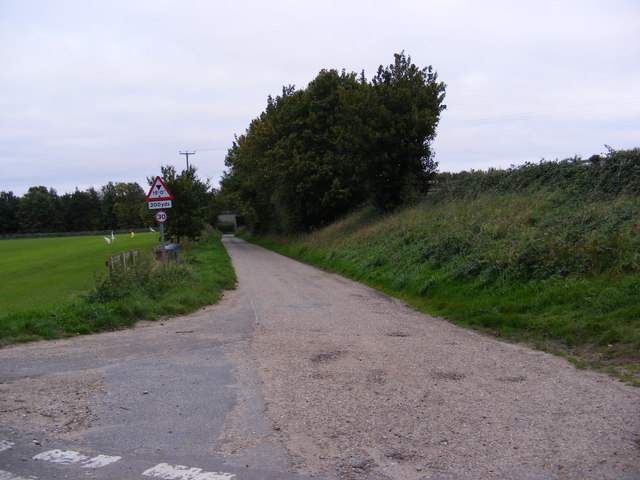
x: 9, y: 205
x: 191, y: 200
x: 115, y: 207
x: 130, y: 206
x: 40, y: 211
x: 314, y: 154
x: 406, y: 107
x: 248, y: 188
x: 317, y: 173
x: 107, y: 206
x: 81, y: 211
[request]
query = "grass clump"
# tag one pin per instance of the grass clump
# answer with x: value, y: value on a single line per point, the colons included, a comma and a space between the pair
x: 547, y: 254
x: 146, y: 291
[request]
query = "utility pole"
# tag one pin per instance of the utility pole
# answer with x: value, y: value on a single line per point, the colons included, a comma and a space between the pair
x: 186, y: 154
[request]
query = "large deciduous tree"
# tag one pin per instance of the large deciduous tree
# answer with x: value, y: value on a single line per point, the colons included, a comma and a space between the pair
x: 406, y: 107
x: 316, y: 153
x: 318, y: 172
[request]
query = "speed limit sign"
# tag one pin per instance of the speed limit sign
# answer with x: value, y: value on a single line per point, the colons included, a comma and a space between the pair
x: 160, y: 216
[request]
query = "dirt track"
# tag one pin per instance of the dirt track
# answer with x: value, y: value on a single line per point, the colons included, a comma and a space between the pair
x: 360, y: 386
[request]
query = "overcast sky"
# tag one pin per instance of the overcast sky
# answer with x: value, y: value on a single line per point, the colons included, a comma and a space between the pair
x: 93, y: 91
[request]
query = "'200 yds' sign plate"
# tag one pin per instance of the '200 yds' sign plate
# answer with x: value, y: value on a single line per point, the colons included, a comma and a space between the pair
x: 158, y: 204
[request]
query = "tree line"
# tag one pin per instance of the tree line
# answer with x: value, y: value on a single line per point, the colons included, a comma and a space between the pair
x: 115, y: 206
x: 316, y: 153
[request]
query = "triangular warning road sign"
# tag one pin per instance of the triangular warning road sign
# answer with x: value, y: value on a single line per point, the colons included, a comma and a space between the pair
x: 159, y: 191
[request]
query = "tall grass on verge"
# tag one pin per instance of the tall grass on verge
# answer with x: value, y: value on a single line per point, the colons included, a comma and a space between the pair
x: 547, y: 254
x: 144, y: 292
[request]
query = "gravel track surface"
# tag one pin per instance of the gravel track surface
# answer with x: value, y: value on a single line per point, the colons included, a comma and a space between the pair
x: 360, y: 386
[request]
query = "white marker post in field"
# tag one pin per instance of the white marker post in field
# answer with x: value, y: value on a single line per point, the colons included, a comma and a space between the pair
x: 160, y: 197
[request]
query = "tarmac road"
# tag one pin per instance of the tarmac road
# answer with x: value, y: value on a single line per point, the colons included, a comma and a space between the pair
x: 174, y: 394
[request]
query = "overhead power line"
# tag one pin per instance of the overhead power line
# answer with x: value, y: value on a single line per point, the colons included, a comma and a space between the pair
x: 540, y: 114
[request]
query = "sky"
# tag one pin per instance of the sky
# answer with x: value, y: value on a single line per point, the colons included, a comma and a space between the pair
x: 97, y: 91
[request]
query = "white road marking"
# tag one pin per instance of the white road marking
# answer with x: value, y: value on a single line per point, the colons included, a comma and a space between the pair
x: 100, y: 461
x: 180, y: 472
x: 4, y: 475
x: 69, y: 456
x: 61, y: 456
x: 4, y: 445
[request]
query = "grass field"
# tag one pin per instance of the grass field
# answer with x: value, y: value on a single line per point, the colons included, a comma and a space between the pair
x: 41, y: 271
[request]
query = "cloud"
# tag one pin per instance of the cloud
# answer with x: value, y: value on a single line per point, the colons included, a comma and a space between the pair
x: 96, y: 91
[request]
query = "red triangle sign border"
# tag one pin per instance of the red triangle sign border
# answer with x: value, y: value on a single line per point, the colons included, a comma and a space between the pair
x: 158, y: 191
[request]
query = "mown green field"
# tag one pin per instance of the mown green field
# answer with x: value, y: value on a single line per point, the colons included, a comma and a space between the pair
x: 41, y: 271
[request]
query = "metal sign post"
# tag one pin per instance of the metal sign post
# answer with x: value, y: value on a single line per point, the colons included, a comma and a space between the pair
x: 161, y: 217
x: 164, y: 253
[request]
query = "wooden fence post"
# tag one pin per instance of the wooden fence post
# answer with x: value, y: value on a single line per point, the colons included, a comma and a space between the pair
x: 122, y: 258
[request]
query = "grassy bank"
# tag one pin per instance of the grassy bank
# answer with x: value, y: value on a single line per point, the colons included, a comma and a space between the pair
x: 557, y: 266
x: 146, y: 291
